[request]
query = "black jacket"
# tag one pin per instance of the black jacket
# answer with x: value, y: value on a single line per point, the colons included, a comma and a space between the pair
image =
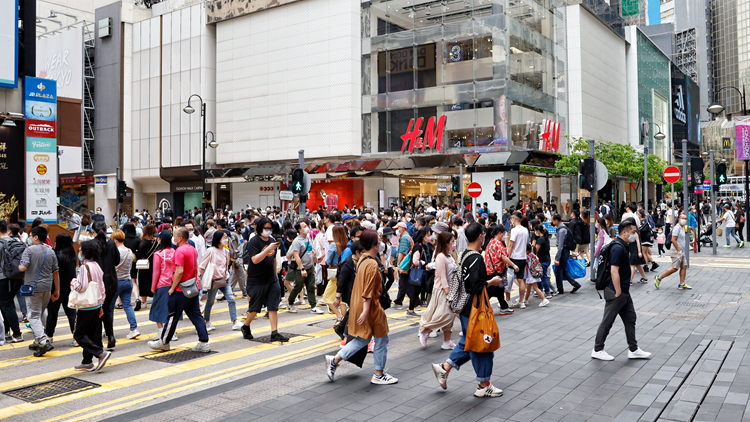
x: 345, y: 279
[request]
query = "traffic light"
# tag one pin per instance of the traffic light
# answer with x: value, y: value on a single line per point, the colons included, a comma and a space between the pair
x: 122, y: 189
x: 298, y: 180
x: 721, y: 174
x: 456, y: 182
x: 586, y: 173
x: 498, y: 195
x: 509, y: 190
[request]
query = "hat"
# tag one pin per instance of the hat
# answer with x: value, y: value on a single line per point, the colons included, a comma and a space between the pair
x: 368, y: 225
x: 165, y: 235
x: 347, y: 217
x: 386, y: 231
x: 401, y: 225
x: 440, y: 227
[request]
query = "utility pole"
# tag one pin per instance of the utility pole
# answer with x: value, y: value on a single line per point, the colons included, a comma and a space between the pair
x: 685, y: 203
x: 645, y: 178
x: 119, y: 204
x: 302, y: 166
x: 713, y: 200
x: 592, y: 209
x: 461, y: 184
x: 502, y: 203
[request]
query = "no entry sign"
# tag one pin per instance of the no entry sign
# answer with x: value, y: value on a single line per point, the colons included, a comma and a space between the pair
x: 671, y: 174
x: 475, y: 189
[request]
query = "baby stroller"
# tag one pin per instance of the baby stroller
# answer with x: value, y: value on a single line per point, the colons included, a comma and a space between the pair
x: 705, y: 237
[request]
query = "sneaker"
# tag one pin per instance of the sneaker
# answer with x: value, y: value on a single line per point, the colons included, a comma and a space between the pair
x: 297, y: 302
x: 654, y: 266
x: 643, y: 280
x: 221, y: 300
x: 331, y: 366
x: 383, y: 379
x: 515, y: 304
x: 201, y: 348
x: 317, y: 310
x: 412, y: 314
x: 133, y: 334
x: 526, y: 302
x: 103, y: 358
x: 49, y: 339
x: 448, y: 345
x: 684, y: 287
x: 645, y: 268
x: 400, y: 307
x: 292, y: 309
x: 158, y: 346
x: 84, y: 367
x: 638, y: 354
x: 742, y: 244
x: 506, y: 311
x: 174, y: 338
x: 371, y: 346
x: 279, y: 337
x: 209, y: 326
x: 237, y: 325
x: 246, y: 334
x: 544, y: 303
x: 441, y: 375
x: 575, y: 289
x: 17, y: 338
x: 418, y: 308
x: 423, y: 336
x: 137, y: 306
x: 73, y: 343
x: 727, y: 246
x: 657, y: 282
x: 34, y: 346
x: 555, y: 293
x: 488, y: 391
x: 601, y: 355
x: 433, y: 334
x: 522, y: 306
x: 43, y: 348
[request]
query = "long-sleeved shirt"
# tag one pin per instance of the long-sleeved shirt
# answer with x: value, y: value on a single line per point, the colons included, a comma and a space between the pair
x: 220, y: 258
x: 163, y: 269
x: 96, y: 275
x: 562, y: 231
x: 475, y: 279
x: 345, y: 280
x: 442, y: 271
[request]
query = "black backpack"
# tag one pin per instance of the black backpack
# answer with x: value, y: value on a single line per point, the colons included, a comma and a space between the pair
x: 668, y: 240
x: 12, y: 251
x: 603, y: 274
x: 570, y: 241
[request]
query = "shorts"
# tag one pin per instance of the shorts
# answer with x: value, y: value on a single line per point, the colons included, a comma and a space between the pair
x: 678, y: 260
x: 521, y: 264
x: 582, y: 248
x: 260, y: 295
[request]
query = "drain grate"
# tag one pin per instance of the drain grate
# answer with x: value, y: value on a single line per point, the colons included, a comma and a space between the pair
x: 48, y: 390
x: 176, y: 357
x: 692, y: 304
x: 267, y: 339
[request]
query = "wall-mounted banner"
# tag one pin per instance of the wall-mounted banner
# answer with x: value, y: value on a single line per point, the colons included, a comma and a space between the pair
x: 40, y: 108
x: 60, y: 58
x: 742, y: 126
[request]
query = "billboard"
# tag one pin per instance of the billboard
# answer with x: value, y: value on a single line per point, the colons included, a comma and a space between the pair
x: 685, y: 112
x: 742, y: 126
x: 40, y: 108
x: 9, y: 44
x: 60, y: 58
x: 12, y: 197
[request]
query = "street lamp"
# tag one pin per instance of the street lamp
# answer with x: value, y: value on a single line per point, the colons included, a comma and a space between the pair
x: 717, y: 108
x: 213, y: 144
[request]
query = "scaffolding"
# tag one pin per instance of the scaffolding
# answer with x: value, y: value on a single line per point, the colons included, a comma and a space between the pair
x: 89, y: 42
x: 686, y: 52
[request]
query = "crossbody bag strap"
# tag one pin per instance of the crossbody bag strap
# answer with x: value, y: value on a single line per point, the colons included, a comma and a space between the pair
x: 42, y: 267
x: 154, y: 245
x: 123, y: 261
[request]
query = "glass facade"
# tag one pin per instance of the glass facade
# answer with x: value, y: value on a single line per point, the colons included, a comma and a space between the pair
x: 725, y: 18
x: 491, y: 70
x: 653, y: 92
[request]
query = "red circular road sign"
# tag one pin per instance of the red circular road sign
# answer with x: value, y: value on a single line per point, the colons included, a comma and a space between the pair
x: 671, y: 174
x: 475, y: 189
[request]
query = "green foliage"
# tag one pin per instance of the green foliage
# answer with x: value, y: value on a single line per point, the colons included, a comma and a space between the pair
x: 620, y: 160
x: 545, y: 170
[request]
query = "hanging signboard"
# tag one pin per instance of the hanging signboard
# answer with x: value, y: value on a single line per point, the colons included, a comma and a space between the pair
x: 40, y: 109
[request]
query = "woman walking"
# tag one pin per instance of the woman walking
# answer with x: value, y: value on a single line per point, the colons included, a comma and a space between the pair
x: 88, y: 326
x: 161, y: 281
x: 646, y: 235
x: 132, y: 241
x: 497, y: 261
x: 438, y: 315
x: 146, y: 249
x: 367, y: 315
x: 333, y: 259
x: 219, y: 256
x: 545, y: 259
x: 124, y: 282
x: 66, y: 262
x: 108, y: 258
x: 740, y: 215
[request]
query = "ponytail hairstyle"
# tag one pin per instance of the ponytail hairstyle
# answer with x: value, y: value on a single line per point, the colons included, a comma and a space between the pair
x: 100, y: 229
x: 541, y: 229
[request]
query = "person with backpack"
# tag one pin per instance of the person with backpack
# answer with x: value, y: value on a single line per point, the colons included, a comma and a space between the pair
x: 636, y: 254
x: 469, y: 280
x: 11, y: 277
x: 602, y: 239
x: 615, y: 281
x: 565, y: 244
x: 676, y: 245
x: 534, y: 273
x: 646, y: 234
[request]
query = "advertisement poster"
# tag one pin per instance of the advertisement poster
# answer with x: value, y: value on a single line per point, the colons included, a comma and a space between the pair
x: 9, y: 44
x: 12, y: 199
x: 60, y: 58
x: 40, y: 108
x: 742, y: 126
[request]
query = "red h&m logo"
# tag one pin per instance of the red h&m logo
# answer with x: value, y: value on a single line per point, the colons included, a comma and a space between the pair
x: 433, y: 135
x: 550, y: 136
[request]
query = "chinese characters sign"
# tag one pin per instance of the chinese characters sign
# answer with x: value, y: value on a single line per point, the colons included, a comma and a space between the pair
x: 742, y: 127
x: 40, y: 108
x: 433, y: 135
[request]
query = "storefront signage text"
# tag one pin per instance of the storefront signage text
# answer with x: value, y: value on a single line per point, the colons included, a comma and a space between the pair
x: 433, y: 135
x: 550, y: 136
x: 40, y: 110
x: 101, y: 180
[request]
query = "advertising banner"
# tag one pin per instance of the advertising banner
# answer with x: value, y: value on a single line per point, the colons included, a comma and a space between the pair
x: 60, y: 58
x: 40, y: 108
x: 12, y: 198
x: 685, y: 112
x: 742, y: 126
x: 9, y: 43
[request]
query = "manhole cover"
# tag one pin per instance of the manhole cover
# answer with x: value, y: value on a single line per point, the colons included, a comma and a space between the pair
x: 267, y: 339
x: 692, y: 304
x: 51, y: 389
x: 176, y: 357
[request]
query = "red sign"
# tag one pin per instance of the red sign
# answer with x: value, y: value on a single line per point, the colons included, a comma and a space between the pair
x: 550, y: 136
x: 76, y: 180
x: 433, y: 135
x: 671, y: 174
x: 41, y: 128
x: 475, y: 189
x: 266, y: 188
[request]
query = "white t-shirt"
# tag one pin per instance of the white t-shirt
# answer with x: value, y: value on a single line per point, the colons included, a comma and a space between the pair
x: 633, y: 216
x: 729, y: 218
x: 329, y: 234
x: 520, y: 236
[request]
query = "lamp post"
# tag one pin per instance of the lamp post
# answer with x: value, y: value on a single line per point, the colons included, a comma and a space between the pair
x: 213, y: 144
x: 717, y: 109
x: 659, y: 136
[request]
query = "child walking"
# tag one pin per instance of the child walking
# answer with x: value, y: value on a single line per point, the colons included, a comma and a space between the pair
x: 660, y: 240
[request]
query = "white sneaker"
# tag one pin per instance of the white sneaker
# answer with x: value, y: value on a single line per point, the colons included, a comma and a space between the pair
x: 292, y: 309
x: 418, y: 308
x: 526, y: 302
x: 133, y: 334
x: 297, y: 302
x: 602, y: 355
x: 317, y: 310
x: 515, y: 304
x: 201, y: 348
x: 237, y: 325
x: 448, y: 345
x: 423, y: 338
x: 209, y: 326
x: 488, y: 391
x: 638, y: 354
x: 441, y: 375
x: 523, y: 305
x: 544, y: 303
x: 174, y: 338
x: 400, y: 307
x: 158, y: 345
x: 433, y: 334
x: 331, y: 366
x: 383, y: 379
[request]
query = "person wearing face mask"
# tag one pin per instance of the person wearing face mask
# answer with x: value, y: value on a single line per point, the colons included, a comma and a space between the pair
x: 98, y: 216
x: 218, y: 254
x: 677, y: 253
x: 301, y: 272
x: 423, y: 254
x: 161, y: 280
x: 617, y: 296
x: 438, y: 315
x: 636, y: 253
x: 561, y: 259
x: 405, y: 247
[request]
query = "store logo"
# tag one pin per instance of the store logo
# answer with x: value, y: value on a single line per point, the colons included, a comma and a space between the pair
x: 41, y: 202
x: 41, y: 144
x: 41, y: 158
x: 41, y: 86
x: 433, y: 135
x: 550, y: 136
x: 41, y: 111
x: 41, y: 129
x: 41, y: 169
x: 679, y: 105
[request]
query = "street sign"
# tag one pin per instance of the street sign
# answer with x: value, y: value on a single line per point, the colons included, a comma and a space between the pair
x: 286, y: 195
x: 671, y: 174
x: 474, y: 189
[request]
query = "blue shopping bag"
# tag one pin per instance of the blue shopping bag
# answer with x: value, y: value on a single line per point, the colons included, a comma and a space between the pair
x: 577, y: 268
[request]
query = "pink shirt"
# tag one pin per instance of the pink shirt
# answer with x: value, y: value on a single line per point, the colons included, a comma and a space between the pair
x: 163, y: 270
x: 442, y: 270
x: 81, y: 283
x: 220, y: 257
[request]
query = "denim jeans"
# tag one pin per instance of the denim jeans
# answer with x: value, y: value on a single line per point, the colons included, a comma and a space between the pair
x: 482, y: 362
x: 227, y: 290
x: 380, y: 353
x: 732, y: 231
x: 545, y: 277
x: 125, y: 293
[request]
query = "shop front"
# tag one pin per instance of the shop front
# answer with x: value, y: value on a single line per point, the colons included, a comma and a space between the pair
x: 77, y: 193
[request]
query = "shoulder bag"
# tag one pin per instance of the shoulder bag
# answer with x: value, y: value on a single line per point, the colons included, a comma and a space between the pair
x: 144, y: 264
x: 405, y: 263
x: 190, y: 287
x: 28, y: 289
x: 88, y: 298
x: 481, y: 331
x: 208, y: 274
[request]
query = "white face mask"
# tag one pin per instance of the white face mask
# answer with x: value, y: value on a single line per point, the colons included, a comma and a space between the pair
x: 192, y: 235
x: 224, y: 242
x: 683, y: 221
x: 267, y: 233
x: 173, y: 241
x: 306, y: 230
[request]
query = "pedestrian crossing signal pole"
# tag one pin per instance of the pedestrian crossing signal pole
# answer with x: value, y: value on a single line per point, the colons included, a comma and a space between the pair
x: 592, y: 208
x: 685, y: 203
x: 302, y: 196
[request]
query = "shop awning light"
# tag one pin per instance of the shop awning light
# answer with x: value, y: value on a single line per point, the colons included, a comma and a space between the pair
x: 9, y: 123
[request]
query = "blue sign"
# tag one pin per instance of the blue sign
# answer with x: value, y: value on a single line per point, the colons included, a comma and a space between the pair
x: 9, y: 44
x: 100, y: 180
x: 38, y: 89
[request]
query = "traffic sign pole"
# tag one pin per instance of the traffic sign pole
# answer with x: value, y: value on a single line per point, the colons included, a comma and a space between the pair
x: 592, y: 210
x: 302, y: 166
x: 713, y: 201
x: 461, y: 183
x: 685, y: 203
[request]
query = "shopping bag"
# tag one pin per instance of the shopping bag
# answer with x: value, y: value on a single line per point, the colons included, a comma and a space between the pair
x: 416, y: 275
x: 577, y: 268
x: 208, y: 274
x: 481, y: 332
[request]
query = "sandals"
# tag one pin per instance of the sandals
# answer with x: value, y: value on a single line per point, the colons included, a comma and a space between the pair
x: 118, y: 306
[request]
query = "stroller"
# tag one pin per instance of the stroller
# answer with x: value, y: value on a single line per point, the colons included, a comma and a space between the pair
x: 705, y: 237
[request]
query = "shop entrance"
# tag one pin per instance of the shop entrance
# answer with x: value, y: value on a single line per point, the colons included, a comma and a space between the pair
x: 431, y: 190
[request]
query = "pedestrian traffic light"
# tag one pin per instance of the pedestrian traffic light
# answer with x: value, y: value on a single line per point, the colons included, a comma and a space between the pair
x: 498, y: 195
x: 456, y: 182
x: 298, y: 180
x: 122, y: 189
x: 509, y: 190
x: 721, y: 173
x: 586, y: 174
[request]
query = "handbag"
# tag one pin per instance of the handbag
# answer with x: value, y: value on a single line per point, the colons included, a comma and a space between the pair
x: 88, y: 298
x: 144, y: 264
x: 190, y: 288
x: 28, y: 289
x: 293, y: 262
x: 340, y: 328
x: 208, y: 273
x: 416, y: 275
x: 482, y: 332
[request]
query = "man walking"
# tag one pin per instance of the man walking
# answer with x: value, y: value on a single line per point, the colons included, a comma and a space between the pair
x: 562, y: 256
x: 301, y: 272
x: 617, y: 296
x: 677, y: 253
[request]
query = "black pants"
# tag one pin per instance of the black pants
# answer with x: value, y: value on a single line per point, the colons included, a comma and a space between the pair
x: 407, y: 289
x: 391, y: 278
x: 87, y: 332
x: 108, y: 319
x: 8, y: 290
x: 622, y: 306
x: 53, y: 310
x: 499, y: 293
x: 740, y: 227
x: 561, y: 272
x: 177, y: 304
x: 661, y: 249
